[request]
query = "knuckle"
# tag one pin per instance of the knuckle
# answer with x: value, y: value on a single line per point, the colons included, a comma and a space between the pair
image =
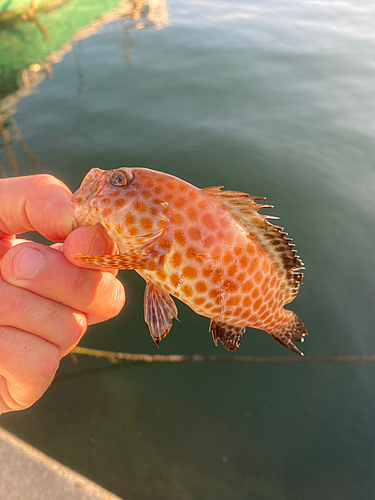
x: 113, y: 293
x: 45, y: 180
x: 110, y: 299
x: 46, y: 186
x: 15, y: 301
x: 77, y: 328
x: 80, y: 282
x: 118, y: 297
x: 72, y: 325
x: 28, y: 363
x: 48, y: 363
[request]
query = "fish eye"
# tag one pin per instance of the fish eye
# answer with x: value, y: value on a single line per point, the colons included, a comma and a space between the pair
x: 121, y: 178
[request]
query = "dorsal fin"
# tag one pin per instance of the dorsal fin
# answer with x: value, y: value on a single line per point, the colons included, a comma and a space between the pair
x: 272, y: 238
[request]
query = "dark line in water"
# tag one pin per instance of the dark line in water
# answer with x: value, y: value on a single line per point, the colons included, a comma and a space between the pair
x: 133, y: 360
x: 116, y: 357
x: 92, y: 371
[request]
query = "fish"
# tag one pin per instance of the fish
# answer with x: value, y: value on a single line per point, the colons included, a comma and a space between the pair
x: 208, y: 247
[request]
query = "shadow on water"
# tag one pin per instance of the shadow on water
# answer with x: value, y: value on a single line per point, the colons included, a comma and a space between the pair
x: 94, y: 370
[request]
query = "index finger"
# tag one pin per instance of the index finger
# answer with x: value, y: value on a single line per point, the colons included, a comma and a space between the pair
x: 35, y: 203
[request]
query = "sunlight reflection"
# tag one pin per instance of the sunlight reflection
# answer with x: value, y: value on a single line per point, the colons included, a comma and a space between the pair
x: 20, y: 77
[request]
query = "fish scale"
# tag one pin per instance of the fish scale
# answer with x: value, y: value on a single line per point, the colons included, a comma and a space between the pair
x: 209, y: 248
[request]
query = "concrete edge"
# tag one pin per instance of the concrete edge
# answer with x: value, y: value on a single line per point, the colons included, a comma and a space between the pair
x: 56, y: 467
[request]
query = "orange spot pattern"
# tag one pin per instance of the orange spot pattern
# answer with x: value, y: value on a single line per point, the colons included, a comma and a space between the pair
x: 233, y: 301
x: 146, y: 223
x: 179, y: 237
x: 214, y: 293
x: 210, y: 264
x: 201, y: 287
x: 176, y: 259
x: 176, y: 218
x: 190, y: 272
x: 208, y: 241
x: 129, y: 219
x: 187, y: 290
x: 207, y: 271
x: 191, y: 253
x: 180, y: 202
x: 227, y: 258
x: 208, y: 221
x: 120, y: 203
x: 246, y: 301
x: 161, y: 274
x: 175, y: 280
x: 217, y: 276
x: 195, y: 233
x: 139, y: 206
x: 232, y: 270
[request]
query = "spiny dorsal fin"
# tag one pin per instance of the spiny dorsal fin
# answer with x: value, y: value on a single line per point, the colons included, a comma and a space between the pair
x: 272, y: 238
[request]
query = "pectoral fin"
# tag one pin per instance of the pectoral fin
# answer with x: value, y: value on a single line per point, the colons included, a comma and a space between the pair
x: 133, y: 260
x: 159, y: 310
x: 229, y: 335
x: 144, y: 252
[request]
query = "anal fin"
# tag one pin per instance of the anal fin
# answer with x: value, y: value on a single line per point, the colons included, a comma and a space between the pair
x: 229, y: 335
x: 159, y: 310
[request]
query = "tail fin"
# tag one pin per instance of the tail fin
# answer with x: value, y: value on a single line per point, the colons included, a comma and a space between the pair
x: 293, y: 330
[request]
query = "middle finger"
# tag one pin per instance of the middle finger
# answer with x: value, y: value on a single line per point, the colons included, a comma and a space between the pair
x: 58, y: 324
x: 98, y: 294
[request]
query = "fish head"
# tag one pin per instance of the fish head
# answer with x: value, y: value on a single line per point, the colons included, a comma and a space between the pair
x: 121, y: 201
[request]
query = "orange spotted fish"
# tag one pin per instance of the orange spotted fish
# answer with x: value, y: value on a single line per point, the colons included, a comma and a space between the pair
x: 209, y: 248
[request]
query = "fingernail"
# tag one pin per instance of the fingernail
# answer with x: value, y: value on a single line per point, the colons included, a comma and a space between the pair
x: 28, y: 263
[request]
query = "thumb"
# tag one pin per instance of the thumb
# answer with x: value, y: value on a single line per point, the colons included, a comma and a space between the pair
x: 35, y: 203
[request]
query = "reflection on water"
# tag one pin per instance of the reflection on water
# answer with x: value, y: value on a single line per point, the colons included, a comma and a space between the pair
x: 10, y: 131
x: 46, y: 26
x: 270, y: 97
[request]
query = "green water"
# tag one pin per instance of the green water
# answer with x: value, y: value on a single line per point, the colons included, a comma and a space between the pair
x: 274, y: 98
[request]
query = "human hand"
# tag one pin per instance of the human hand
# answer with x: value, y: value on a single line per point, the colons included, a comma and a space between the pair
x: 46, y: 298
